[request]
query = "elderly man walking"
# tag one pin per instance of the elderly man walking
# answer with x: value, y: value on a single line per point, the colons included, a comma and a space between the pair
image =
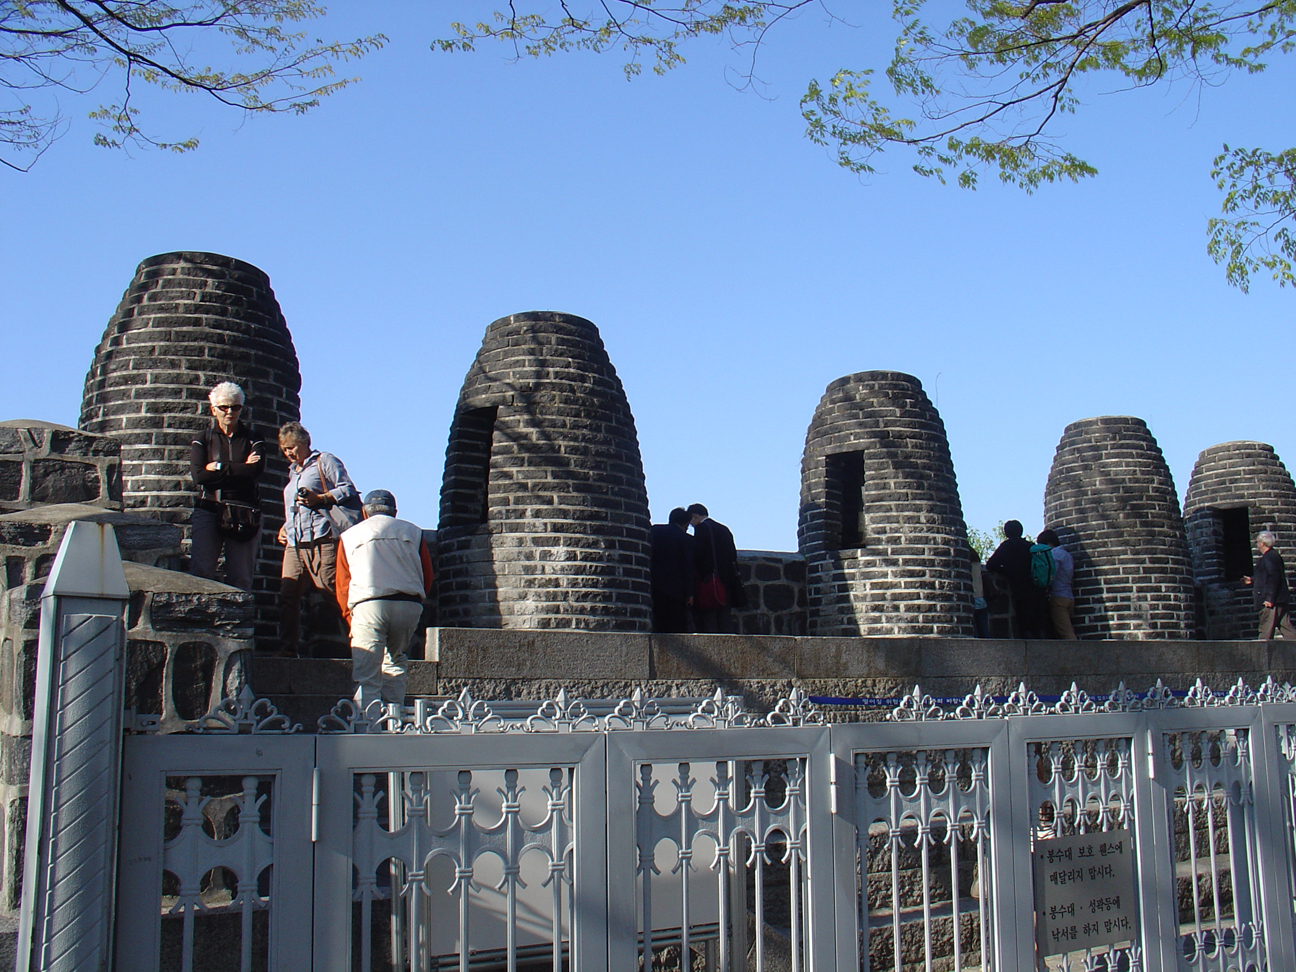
x: 384, y: 571
x: 1271, y: 594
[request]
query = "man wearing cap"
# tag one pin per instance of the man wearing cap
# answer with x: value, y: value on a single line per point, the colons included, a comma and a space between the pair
x: 384, y: 571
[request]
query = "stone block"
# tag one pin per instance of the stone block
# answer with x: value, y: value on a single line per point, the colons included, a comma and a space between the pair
x: 970, y: 659
x: 722, y: 657
x: 841, y: 658
x: 522, y: 653
x: 11, y: 476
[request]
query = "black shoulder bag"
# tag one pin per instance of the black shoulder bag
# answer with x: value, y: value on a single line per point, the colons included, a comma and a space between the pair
x: 238, y: 521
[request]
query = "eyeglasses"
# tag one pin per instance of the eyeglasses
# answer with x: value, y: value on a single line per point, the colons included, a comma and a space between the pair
x: 229, y: 408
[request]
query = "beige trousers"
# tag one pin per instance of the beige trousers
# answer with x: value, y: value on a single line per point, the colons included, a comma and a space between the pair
x: 1061, y: 610
x: 380, y: 633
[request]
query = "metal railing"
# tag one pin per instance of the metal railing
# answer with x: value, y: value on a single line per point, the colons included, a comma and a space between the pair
x: 631, y: 833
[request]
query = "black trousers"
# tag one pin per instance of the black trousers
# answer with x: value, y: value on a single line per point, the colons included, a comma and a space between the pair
x: 670, y: 614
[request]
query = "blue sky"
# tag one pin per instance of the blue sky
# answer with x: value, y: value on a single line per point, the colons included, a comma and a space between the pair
x: 733, y: 269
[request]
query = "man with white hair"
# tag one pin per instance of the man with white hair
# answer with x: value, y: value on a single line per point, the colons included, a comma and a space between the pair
x: 1271, y: 593
x: 225, y: 462
x: 384, y: 571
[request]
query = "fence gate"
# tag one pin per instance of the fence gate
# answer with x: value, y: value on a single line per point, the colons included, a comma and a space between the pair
x: 1151, y: 835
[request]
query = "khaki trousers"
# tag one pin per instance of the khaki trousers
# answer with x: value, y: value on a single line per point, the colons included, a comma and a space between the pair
x: 381, y: 631
x: 314, y: 565
x: 1061, y: 610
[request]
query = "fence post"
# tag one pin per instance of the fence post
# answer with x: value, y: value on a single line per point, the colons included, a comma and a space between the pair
x: 71, y: 861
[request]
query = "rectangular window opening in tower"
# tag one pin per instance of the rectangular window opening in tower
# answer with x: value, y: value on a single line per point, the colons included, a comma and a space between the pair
x: 469, y: 460
x: 1235, y: 541
x: 845, y: 497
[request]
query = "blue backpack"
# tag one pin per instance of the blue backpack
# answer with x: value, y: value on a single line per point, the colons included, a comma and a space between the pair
x: 1042, y: 565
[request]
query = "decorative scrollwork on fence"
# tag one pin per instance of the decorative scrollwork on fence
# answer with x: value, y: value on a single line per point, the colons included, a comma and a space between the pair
x: 637, y: 712
x: 562, y: 715
x: 245, y: 714
x: 978, y: 705
x: 795, y: 710
x: 917, y: 707
x: 463, y: 714
x: 720, y: 711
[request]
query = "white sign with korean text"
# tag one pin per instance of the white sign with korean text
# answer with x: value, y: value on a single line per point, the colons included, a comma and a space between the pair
x: 1084, y: 892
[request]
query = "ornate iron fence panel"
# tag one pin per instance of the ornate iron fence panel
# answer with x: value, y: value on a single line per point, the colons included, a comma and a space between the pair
x: 460, y: 851
x: 730, y: 863
x: 923, y: 867
x: 215, y: 852
x: 1075, y: 775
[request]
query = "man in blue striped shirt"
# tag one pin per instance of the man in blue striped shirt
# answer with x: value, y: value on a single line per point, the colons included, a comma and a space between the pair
x: 317, y: 482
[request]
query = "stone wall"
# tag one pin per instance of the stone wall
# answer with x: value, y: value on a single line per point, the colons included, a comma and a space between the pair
x: 535, y: 664
x: 776, y: 593
x: 42, y: 463
x: 1237, y: 489
x: 544, y: 512
x: 1112, y: 501
x: 187, y: 322
x: 881, y: 525
x: 188, y: 644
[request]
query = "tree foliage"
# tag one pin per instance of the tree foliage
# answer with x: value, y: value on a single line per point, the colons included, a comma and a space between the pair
x: 52, y: 48
x: 979, y: 92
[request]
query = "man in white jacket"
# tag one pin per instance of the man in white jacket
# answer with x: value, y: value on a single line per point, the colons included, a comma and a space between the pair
x: 384, y: 571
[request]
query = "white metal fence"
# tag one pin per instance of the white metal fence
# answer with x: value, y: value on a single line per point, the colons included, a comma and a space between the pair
x: 1133, y: 832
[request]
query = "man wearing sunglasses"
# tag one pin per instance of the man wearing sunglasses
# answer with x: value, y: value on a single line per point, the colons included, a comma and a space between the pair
x: 225, y: 462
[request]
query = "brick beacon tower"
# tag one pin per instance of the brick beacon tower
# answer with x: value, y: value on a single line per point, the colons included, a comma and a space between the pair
x: 544, y: 512
x: 1237, y: 489
x: 188, y: 321
x: 1111, y: 499
x: 881, y: 525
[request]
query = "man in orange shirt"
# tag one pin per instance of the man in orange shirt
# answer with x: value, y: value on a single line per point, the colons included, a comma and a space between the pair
x: 384, y: 571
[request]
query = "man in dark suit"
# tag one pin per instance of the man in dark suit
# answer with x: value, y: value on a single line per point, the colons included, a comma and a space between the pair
x: 672, y: 573
x: 715, y: 557
x: 1273, y: 598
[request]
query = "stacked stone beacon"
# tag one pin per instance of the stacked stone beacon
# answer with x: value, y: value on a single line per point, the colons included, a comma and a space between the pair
x: 1237, y: 489
x: 1112, y: 501
x: 544, y: 511
x: 881, y: 525
x: 187, y: 322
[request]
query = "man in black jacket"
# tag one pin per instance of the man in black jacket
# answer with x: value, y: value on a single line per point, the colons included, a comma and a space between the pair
x: 1012, y: 559
x: 715, y: 557
x: 672, y: 573
x: 1271, y: 594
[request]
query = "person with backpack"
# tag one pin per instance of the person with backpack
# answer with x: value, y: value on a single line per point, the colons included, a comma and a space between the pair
x: 1012, y: 559
x: 1052, y: 568
x: 320, y: 504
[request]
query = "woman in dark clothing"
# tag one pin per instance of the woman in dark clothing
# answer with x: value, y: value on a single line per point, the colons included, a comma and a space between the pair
x: 226, y: 461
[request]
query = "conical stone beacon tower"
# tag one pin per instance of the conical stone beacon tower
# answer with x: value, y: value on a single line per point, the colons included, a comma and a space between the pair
x: 1237, y: 489
x: 187, y: 322
x: 544, y: 511
x: 1112, y: 501
x: 881, y: 525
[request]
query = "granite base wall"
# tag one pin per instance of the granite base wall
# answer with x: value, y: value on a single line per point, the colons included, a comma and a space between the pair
x: 502, y: 664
